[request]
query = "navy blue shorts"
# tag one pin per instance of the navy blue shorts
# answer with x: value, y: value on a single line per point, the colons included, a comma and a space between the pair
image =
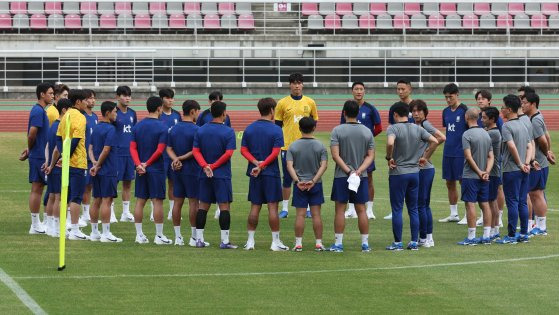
x: 54, y: 181
x: 185, y: 186
x: 151, y: 185
x: 35, y: 173
x: 104, y: 186
x: 453, y: 167
x: 76, y: 184
x: 341, y: 192
x: 168, y: 170
x: 494, y: 183
x: 538, y: 179
x: 287, y: 180
x: 215, y: 190
x: 302, y: 199
x: 475, y: 190
x: 371, y: 167
x: 126, y: 169
x: 88, y: 180
x: 264, y: 190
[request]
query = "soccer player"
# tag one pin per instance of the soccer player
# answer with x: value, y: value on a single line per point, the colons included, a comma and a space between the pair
x: 91, y: 120
x: 525, y: 119
x: 353, y: 149
x: 426, y: 175
x: 289, y: 111
x: 260, y: 145
x: 490, y: 116
x: 37, y: 133
x: 170, y: 118
x: 125, y: 119
x: 453, y: 155
x: 148, y: 141
x: 370, y: 118
x: 517, y: 155
x: 102, y: 153
x: 478, y: 155
x: 307, y: 161
x: 214, y: 144
x: 538, y: 175
x: 60, y: 92
x: 185, y: 169
x: 404, y: 156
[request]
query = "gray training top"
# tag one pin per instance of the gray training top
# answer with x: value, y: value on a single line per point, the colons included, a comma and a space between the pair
x: 495, y: 136
x: 538, y: 130
x: 528, y: 124
x: 306, y: 154
x: 478, y: 141
x: 407, y: 147
x: 354, y: 140
x: 424, y: 145
x: 514, y: 130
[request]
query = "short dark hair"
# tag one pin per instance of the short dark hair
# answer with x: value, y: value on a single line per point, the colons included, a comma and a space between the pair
x: 218, y: 108
x: 526, y: 89
x: 189, y: 105
x: 265, y: 105
x: 512, y: 101
x: 357, y: 83
x: 351, y: 108
x: 76, y: 95
x: 123, y: 90
x: 43, y: 88
x: 401, y: 108
x: 419, y: 105
x: 153, y: 103
x: 63, y: 104
x: 107, y: 106
x: 59, y: 88
x: 89, y: 93
x: 166, y: 92
x: 215, y: 96
x: 450, y: 88
x: 295, y: 77
x: 307, y: 124
x: 533, y: 98
x: 485, y: 94
x: 404, y: 81
x: 491, y: 113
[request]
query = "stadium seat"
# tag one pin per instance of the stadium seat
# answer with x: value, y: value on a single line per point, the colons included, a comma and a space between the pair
x: 229, y: 21
x: 532, y: 8
x: 430, y: 9
x: 36, y: 8
x: 157, y: 8
x: 142, y: 21
x: 177, y: 20
x: 174, y: 8
x: 315, y: 22
x: 412, y: 8
x: 516, y: 8
x: 332, y: 22
x: 308, y: 8
x: 18, y: 7
x: 470, y: 22
x: 53, y: 7
x: 123, y: 8
x: 378, y: 9
x: 246, y: 22
x: 539, y: 21
x: 244, y: 8
x: 553, y: 21
x: 361, y: 8
x: 349, y: 22
x: 140, y: 7
x: 211, y: 21
x: 482, y: 8
x: 326, y: 8
x: 487, y: 21
x: 226, y: 8
x: 71, y: 7
x: 55, y: 21
x: 401, y: 21
x: 498, y: 9
x: 88, y: 7
x: 550, y: 8
x: 4, y: 8
x: 395, y: 8
x: 194, y: 21
x: 366, y: 22
x: 5, y: 21
x: 124, y: 20
x: 107, y: 21
x: 20, y: 21
x: 191, y: 8
x: 463, y: 8
x: 504, y: 21
x: 384, y: 22
x: 521, y: 21
x: 453, y: 22
x: 159, y: 21
x: 344, y: 9
x: 209, y: 8
x: 448, y: 8
x: 90, y: 21
x: 106, y: 8
x: 418, y: 22
x: 72, y: 22
x: 436, y: 22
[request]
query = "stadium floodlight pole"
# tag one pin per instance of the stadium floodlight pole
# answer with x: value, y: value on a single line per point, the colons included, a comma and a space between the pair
x: 64, y: 195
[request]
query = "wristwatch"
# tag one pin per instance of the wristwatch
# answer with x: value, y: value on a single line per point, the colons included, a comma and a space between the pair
x: 388, y: 158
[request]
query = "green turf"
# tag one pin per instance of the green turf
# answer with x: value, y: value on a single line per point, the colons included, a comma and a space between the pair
x: 150, y: 279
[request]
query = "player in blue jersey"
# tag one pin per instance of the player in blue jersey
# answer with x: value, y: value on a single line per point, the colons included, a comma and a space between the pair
x: 125, y: 119
x: 453, y: 156
x: 261, y: 144
x: 370, y: 118
x: 102, y: 153
x: 91, y: 121
x: 37, y: 132
x: 214, y: 144
x: 149, y: 140
x: 169, y: 117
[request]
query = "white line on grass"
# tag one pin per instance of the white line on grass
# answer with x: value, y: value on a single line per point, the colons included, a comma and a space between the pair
x: 20, y: 293
x: 275, y: 273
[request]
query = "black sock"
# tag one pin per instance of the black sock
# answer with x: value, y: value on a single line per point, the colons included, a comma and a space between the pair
x: 224, y: 220
x: 201, y: 219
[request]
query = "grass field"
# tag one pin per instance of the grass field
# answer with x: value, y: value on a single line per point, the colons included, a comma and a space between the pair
x: 126, y: 277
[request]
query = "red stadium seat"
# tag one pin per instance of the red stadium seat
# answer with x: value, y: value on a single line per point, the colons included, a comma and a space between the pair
x: 88, y: 7
x: 344, y: 8
x: 482, y: 8
x: 177, y: 21
x: 550, y: 8
x: 53, y: 7
x: 516, y: 8
x: 436, y: 22
x: 226, y: 8
x: 211, y: 22
x: 5, y: 22
x: 157, y: 7
x: 107, y: 21
x: 448, y: 8
x: 401, y: 21
x: 470, y: 22
x: 504, y: 21
x: 367, y: 22
x: 123, y: 8
x: 18, y: 7
x: 332, y: 22
x: 192, y: 8
x: 412, y: 8
x: 378, y: 8
x: 72, y: 22
x: 38, y: 22
x: 142, y: 21
x: 309, y: 8
x: 539, y: 21
x: 246, y: 22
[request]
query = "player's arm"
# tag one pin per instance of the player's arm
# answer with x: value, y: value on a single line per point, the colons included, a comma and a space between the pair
x: 199, y: 157
x: 542, y: 144
x: 292, y: 172
x: 271, y: 158
x: 439, y: 136
x: 222, y: 159
x: 390, y: 146
x: 490, y: 162
x: 172, y: 154
x: 369, y: 158
x: 157, y: 154
x: 245, y: 152
x: 278, y: 116
x: 472, y: 163
x: 335, y: 150
x: 91, y: 155
x: 321, y: 171
x: 515, y: 156
x: 433, y: 144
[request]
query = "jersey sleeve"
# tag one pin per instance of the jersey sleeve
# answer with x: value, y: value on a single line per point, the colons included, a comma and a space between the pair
x: 244, y: 139
x: 231, y: 143
x: 36, y: 119
x: 429, y: 127
x: 135, y: 118
x: 163, y: 134
x: 391, y: 131
x: 279, y: 111
x: 314, y: 110
x: 195, y: 141
x: 78, y: 126
x: 323, y: 153
x: 334, y: 138
x: 506, y: 134
x: 466, y: 141
x: 375, y: 116
x: 538, y: 128
x: 391, y: 115
x: 289, y: 154
x: 342, y: 119
x: 424, y: 134
x: 110, y: 139
x: 278, y: 138
x: 227, y: 121
x: 371, y: 142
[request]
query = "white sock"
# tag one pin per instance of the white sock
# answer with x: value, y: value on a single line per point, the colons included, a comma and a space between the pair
x: 251, y: 236
x: 453, y: 210
x: 298, y: 241
x: 370, y: 205
x: 217, y: 207
x: 113, y: 207
x: 500, y: 215
x: 486, y: 232
x: 429, y: 237
x: 56, y: 223
x: 68, y: 216
x: 225, y: 236
x: 200, y: 234
x: 75, y: 227
x: 177, y: 231
x: 351, y: 207
x: 365, y: 239
x: 85, y: 210
x: 171, y: 205
x: 318, y: 241
x: 275, y: 237
x: 94, y: 228
x: 285, y: 205
x: 159, y: 229
x: 106, y: 228
x: 541, y: 223
x: 139, y: 229
x: 151, y: 205
x: 530, y: 223
x: 50, y: 219
x: 308, y: 208
x: 193, y: 232
x: 126, y: 207
x: 35, y: 219
x: 339, y: 238
x: 497, y: 228
x: 471, y: 233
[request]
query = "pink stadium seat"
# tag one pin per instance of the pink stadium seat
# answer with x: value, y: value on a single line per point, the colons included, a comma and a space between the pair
x: 412, y: 8
x: 344, y: 8
x: 123, y: 8
x: 53, y: 7
x: 448, y: 8
x: 378, y: 8
x: 177, y: 21
x: 401, y: 21
x: 192, y: 8
x: 309, y: 8
x: 38, y: 22
x: 332, y: 22
x: 211, y: 22
x: 366, y: 22
x: 142, y: 21
x: 504, y: 21
x: 5, y: 22
x: 226, y: 8
x: 550, y: 8
x: 470, y: 22
x: 88, y: 7
x: 72, y: 22
x: 482, y: 8
x: 157, y: 7
x: 18, y: 7
x: 516, y: 8
x: 436, y: 21
x: 538, y: 21
x: 246, y: 22
x: 107, y: 21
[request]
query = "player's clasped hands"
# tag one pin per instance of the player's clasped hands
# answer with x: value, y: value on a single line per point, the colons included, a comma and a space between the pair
x: 176, y: 165
x: 24, y: 155
x: 551, y: 157
x: 308, y: 185
x: 392, y: 164
x: 484, y: 176
x: 208, y: 171
x: 141, y: 169
x: 256, y: 170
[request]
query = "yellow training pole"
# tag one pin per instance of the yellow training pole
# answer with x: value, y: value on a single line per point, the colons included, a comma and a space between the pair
x: 67, y: 143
